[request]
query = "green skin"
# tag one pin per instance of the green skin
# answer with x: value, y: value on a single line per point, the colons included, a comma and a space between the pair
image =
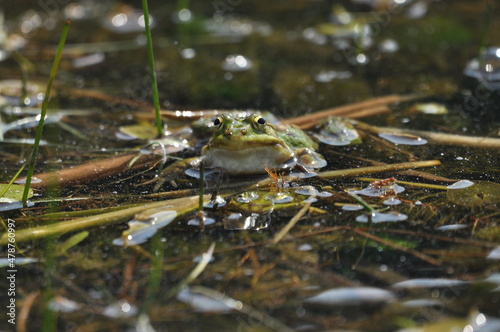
x: 244, y: 144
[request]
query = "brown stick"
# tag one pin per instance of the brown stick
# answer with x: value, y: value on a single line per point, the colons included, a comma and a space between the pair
x: 94, y: 94
x: 377, y: 110
x: 345, y: 110
x: 440, y: 138
x: 93, y: 171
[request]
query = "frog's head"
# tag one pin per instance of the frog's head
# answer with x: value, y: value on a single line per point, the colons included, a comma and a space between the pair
x: 241, y: 144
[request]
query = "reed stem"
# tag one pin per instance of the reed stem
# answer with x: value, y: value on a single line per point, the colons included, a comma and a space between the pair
x: 151, y: 59
x: 43, y: 112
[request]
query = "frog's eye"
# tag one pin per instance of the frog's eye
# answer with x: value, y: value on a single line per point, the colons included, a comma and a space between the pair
x: 217, y: 121
x: 260, y: 120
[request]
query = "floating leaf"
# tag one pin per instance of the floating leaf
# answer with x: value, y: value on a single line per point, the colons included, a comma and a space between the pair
x: 13, y: 193
x: 481, y: 193
x: 337, y: 131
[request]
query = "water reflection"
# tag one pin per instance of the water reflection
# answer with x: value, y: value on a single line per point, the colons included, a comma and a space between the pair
x: 236, y: 63
x: 486, y: 68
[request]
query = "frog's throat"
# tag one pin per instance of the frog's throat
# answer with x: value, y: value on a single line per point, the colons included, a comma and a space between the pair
x: 250, y: 160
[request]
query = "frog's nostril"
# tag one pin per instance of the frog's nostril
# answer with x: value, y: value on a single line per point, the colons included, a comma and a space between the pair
x: 228, y: 132
x: 243, y: 131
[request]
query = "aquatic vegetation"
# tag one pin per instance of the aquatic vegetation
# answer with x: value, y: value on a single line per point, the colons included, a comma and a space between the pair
x: 362, y: 233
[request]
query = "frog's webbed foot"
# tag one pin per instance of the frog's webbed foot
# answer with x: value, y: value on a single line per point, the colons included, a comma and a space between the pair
x: 309, y: 159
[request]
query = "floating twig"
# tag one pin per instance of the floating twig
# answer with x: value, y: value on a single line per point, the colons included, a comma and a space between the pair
x: 378, y: 169
x: 413, y: 184
x: 93, y: 171
x: 438, y: 138
x: 350, y: 172
x: 379, y: 104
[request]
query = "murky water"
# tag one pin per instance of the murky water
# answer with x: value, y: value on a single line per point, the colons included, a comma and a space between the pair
x: 393, y: 251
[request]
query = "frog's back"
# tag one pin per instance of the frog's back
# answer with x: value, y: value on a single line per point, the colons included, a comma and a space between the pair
x: 295, y: 137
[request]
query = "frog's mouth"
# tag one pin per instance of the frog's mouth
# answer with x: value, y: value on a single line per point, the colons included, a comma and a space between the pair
x: 250, y: 160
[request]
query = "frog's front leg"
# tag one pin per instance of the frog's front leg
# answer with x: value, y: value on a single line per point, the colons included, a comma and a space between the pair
x: 174, y: 170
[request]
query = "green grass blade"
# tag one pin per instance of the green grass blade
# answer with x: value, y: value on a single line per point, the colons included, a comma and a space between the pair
x: 12, y: 181
x: 43, y: 113
x: 151, y: 58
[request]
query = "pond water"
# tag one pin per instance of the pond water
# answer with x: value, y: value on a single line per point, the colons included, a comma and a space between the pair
x: 405, y: 237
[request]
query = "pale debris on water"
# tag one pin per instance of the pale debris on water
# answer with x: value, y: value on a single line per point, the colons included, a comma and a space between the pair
x: 429, y: 283
x: 352, y: 296
x: 378, y: 217
x: 120, y: 309
x: 140, y: 231
x: 202, y: 303
x: 460, y: 184
x: 403, y: 139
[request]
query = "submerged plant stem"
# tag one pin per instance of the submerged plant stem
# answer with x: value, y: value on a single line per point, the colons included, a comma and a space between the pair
x: 151, y: 58
x: 155, y: 273
x: 362, y: 202
x: 180, y: 205
x: 205, y: 259
x: 293, y: 221
x: 391, y: 244
x: 253, y: 314
x: 43, y: 112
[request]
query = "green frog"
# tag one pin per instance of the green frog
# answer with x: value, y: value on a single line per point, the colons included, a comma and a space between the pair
x: 246, y: 143
x: 242, y: 145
